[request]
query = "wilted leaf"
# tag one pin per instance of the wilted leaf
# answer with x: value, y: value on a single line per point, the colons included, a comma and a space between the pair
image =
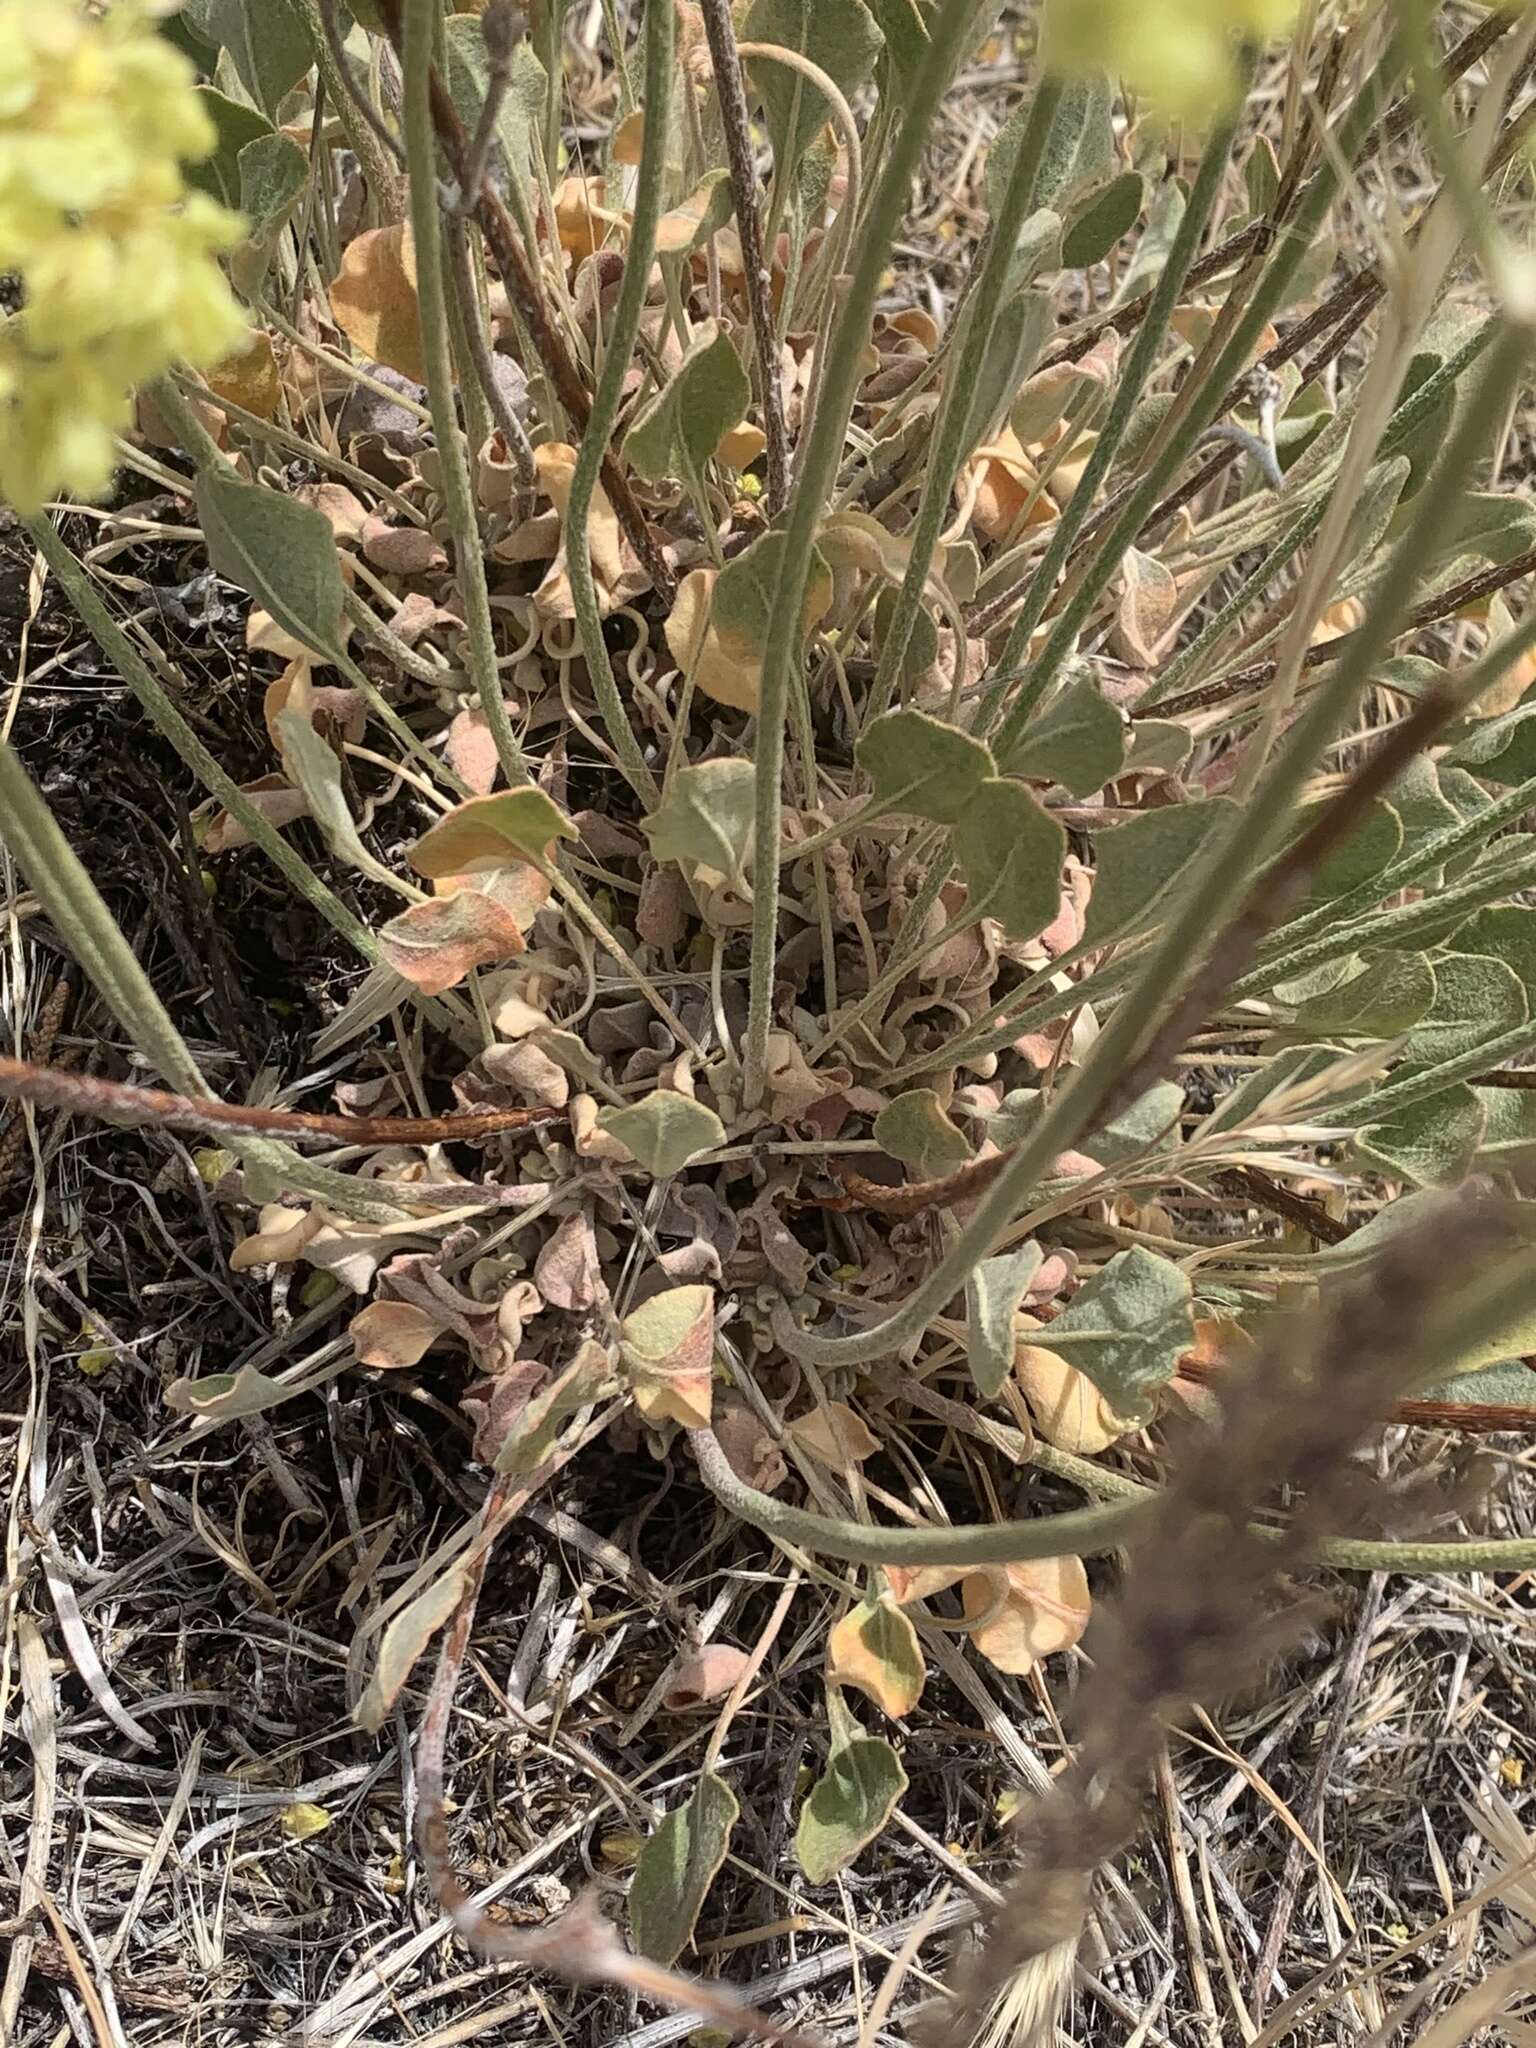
x: 718, y: 625
x: 529, y: 1442
x: 916, y: 1129
x: 917, y: 763
x: 676, y: 1867
x: 1140, y: 867
x: 992, y: 1297
x: 435, y: 944
x: 402, y: 1644
x: 509, y: 825
x: 374, y: 299
x: 691, y: 223
x: 1044, y: 1608
x: 876, y: 1648
x: 840, y: 36
x: 282, y: 552
x: 392, y: 1334
x: 848, y: 1806
x: 683, y: 425
x: 668, y: 1347
x: 1011, y: 853
x: 665, y: 1130
x: 1078, y: 739
x: 1431, y: 1143
x: 834, y: 1435
x: 224, y: 1396
x: 1148, y: 604
x: 280, y: 1235
x: 705, y: 816
x: 705, y: 1674
x: 1127, y: 1326
x: 1068, y: 1409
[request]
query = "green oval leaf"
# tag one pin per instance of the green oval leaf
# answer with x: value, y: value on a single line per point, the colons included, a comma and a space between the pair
x: 282, y: 552
x: 677, y: 432
x: 1127, y: 1327
x: 1011, y: 852
x: 665, y: 1130
x: 848, y: 1806
x: 677, y: 1866
x: 920, y: 764
x: 706, y: 816
x: 992, y: 1297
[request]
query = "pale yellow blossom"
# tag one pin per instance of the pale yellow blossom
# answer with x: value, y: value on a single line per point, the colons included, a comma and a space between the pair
x: 1177, y: 53
x: 110, y: 257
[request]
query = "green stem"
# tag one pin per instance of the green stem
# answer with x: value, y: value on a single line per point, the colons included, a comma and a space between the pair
x: 59, y: 880
x: 1084, y: 1532
x: 437, y: 358
x: 1140, y: 500
x: 379, y: 174
x: 816, y: 472
x: 1132, y: 379
x: 618, y: 356
x: 985, y: 306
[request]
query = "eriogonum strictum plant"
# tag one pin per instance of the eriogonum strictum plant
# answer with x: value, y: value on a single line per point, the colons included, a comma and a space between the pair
x: 113, y: 254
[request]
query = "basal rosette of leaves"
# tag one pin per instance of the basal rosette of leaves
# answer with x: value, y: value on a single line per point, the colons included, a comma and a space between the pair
x: 113, y: 257
x: 1093, y: 591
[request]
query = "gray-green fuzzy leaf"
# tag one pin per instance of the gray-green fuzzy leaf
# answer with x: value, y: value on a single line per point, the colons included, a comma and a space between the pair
x: 681, y: 427
x: 1141, y: 867
x: 1078, y: 740
x: 992, y: 1297
x: 1011, y: 852
x: 1431, y: 1142
x: 706, y: 816
x: 665, y: 1130
x: 842, y: 36
x: 916, y: 1130
x: 848, y: 1806
x: 919, y: 764
x: 282, y: 552
x: 1127, y: 1327
x: 677, y: 1866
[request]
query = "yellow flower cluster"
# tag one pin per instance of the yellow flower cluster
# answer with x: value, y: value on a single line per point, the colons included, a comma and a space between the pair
x: 1178, y: 53
x: 110, y: 256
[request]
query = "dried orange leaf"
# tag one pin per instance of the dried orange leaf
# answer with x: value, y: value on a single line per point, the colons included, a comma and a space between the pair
x: 1147, y: 606
x: 1025, y: 1612
x: 668, y: 1347
x: 834, y: 1436
x: 250, y: 378
x: 374, y: 299
x: 433, y: 945
x: 1068, y: 1409
x: 393, y: 1333
x: 876, y: 1648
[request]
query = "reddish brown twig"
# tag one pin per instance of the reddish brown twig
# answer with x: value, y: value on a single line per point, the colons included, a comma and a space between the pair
x: 1471, y: 590
x: 119, y: 1102
x: 50, y: 1019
